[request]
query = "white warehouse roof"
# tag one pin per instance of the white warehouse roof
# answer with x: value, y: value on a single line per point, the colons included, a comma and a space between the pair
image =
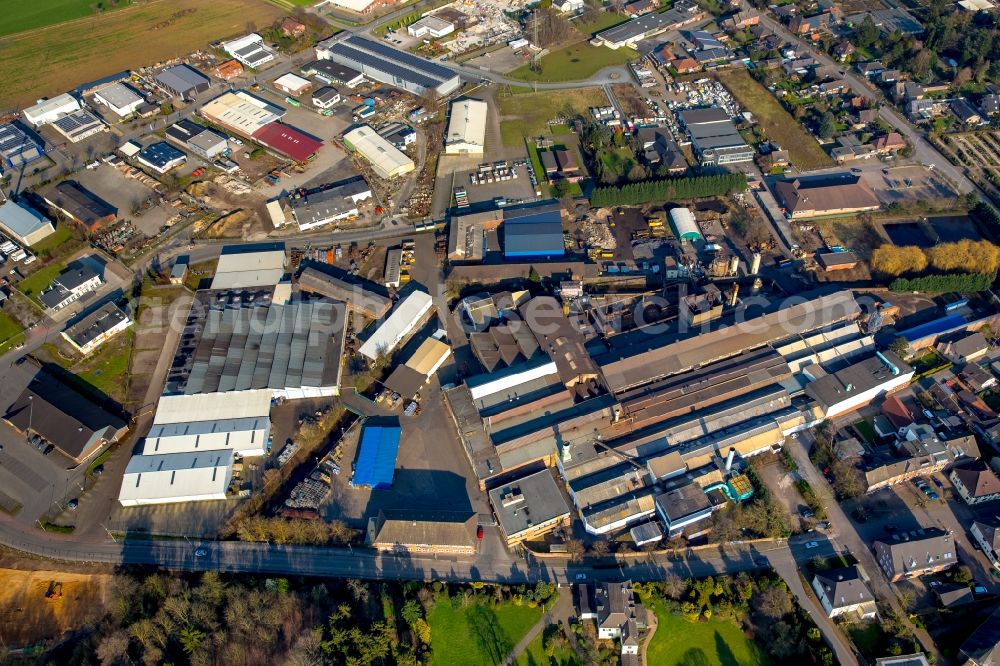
x: 211, y: 406
x: 685, y: 224
x: 387, y: 160
x: 176, y: 477
x: 244, y: 437
x: 292, y: 81
x: 249, y: 269
x: 403, y: 319
x: 241, y: 112
x: 48, y: 110
x: 467, y: 127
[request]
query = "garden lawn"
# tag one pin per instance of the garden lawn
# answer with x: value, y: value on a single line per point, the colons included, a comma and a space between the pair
x: 678, y: 642
x: 52, y: 243
x: 527, y: 115
x: 107, y: 369
x: 37, y: 282
x: 576, y: 62
x: 535, y: 656
x: 477, y: 635
x: 803, y: 149
x: 10, y: 332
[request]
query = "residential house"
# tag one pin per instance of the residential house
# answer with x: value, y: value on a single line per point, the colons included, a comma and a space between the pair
x: 640, y: 7
x: 740, y: 21
x: 69, y: 286
x: 976, y: 483
x: 888, y: 76
x: 808, y: 25
x: 986, y: 533
x: 990, y: 105
x: 844, y: 591
x: 952, y: 595
x: 976, y: 378
x: 844, y: 50
x: 870, y: 68
x: 965, y: 349
x: 618, y: 614
x: 867, y: 116
x: 916, y: 553
x: 965, y: 112
x: 982, y: 648
x: 889, y: 143
x: 293, y: 27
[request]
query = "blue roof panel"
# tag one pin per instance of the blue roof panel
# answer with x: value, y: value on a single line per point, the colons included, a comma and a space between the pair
x: 376, y: 462
x: 935, y: 327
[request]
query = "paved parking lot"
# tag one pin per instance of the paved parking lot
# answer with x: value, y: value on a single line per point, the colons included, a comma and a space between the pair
x: 126, y: 194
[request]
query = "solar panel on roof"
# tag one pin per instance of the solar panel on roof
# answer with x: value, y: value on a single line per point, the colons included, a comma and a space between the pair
x: 402, y: 57
x: 384, y: 66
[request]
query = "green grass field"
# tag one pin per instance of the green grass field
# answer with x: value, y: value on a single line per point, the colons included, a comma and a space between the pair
x: 36, y: 283
x: 803, y: 150
x: 678, y: 642
x: 21, y: 16
x: 528, y: 114
x: 477, y: 635
x: 10, y: 330
x: 51, y: 243
x: 535, y: 656
x: 573, y: 63
x: 107, y: 369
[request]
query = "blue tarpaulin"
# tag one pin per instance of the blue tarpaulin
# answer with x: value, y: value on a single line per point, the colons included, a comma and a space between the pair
x: 936, y: 327
x: 376, y: 461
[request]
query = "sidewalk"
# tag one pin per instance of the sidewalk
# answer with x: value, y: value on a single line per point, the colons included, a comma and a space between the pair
x: 563, y: 608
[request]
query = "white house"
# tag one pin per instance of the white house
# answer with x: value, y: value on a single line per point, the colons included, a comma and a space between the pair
x: 843, y: 591
x: 430, y: 26
x: 249, y: 50
x: 568, y: 6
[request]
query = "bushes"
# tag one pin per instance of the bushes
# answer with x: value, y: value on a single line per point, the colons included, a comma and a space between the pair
x: 811, y: 498
x: 941, y: 283
x: 663, y: 190
x: 963, y: 256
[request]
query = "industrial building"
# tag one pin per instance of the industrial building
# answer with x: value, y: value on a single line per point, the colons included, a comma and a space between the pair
x: 249, y: 50
x: 467, y: 234
x: 238, y: 421
x: 292, y: 84
x: 325, y: 98
x: 466, y: 133
x: 534, y: 231
x: 81, y: 205
x: 375, y: 465
x: 96, y: 328
x: 244, y: 267
x: 176, y: 477
x: 17, y: 148
x: 241, y: 339
x: 228, y: 70
x: 834, y: 194
x: 333, y: 73
x: 386, y: 160
x: 329, y: 203
x: 857, y: 385
x: 714, y: 137
x: 161, y: 157
x: 58, y: 413
x: 685, y: 226
x: 288, y: 141
x: 200, y: 140
x: 390, y: 66
x: 356, y: 294
x: 416, y: 532
x: 430, y: 26
x: 403, y: 320
x: 683, y: 507
x: 77, y: 280
x: 409, y: 378
x: 241, y: 112
x: 48, y: 110
x: 79, y: 125
x: 182, y: 81
x: 630, y: 33
x: 23, y: 223
x: 120, y: 98
x: 529, y: 507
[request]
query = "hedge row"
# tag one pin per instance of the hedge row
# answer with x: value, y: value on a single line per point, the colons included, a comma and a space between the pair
x: 672, y: 188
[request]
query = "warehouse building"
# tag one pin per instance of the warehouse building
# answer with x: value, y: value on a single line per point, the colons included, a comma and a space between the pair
x: 176, y: 477
x: 328, y: 203
x: 97, y: 328
x: 55, y: 411
x: 292, y: 84
x: 120, y: 98
x: 77, y: 280
x: 23, y: 223
x: 244, y: 267
x: 161, y: 157
x: 416, y: 532
x: 239, y: 421
x: 359, y: 6
x: 356, y: 294
x: 17, y: 147
x: 241, y: 112
x: 81, y: 205
x: 403, y: 320
x: 834, y: 194
x: 183, y: 81
x: 390, y: 66
x: 534, y: 231
x: 409, y: 378
x: 51, y: 109
x: 325, y: 98
x: 79, y: 125
x: 200, y: 140
x: 249, y: 50
x: 236, y: 340
x: 683, y: 507
x: 288, y: 141
x: 630, y: 33
x: 467, y: 234
x: 714, y: 137
x: 387, y: 161
x: 466, y: 128
x: 376, y: 462
x: 333, y: 73
x: 858, y: 384
x: 529, y: 507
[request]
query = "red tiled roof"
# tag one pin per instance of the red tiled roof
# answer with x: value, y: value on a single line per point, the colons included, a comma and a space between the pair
x: 897, y: 412
x: 287, y: 140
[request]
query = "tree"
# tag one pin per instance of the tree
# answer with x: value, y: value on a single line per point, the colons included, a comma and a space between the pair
x: 600, y: 548
x: 574, y: 548
x: 637, y: 172
x: 411, y: 612
x: 898, y: 259
x: 774, y: 602
x: 827, y: 125
x: 963, y: 574
x: 191, y: 639
x: 673, y: 586
x: 848, y: 480
x: 113, y: 649
x: 900, y: 347
x: 533, y: 276
x: 423, y: 631
x: 867, y: 33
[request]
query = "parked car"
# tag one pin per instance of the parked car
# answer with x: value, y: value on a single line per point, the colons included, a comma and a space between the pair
x: 937, y: 482
x: 98, y: 470
x: 479, y: 532
x: 72, y: 504
x: 812, y: 544
x: 200, y: 552
x: 49, y: 449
